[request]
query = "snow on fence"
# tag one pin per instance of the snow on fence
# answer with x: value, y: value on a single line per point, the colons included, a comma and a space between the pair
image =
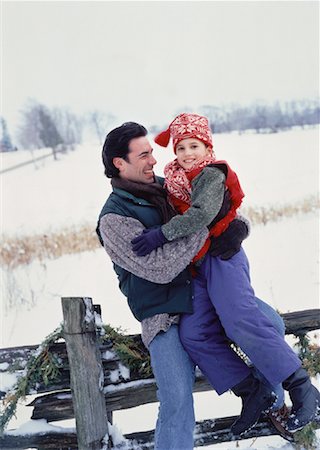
x: 89, y: 390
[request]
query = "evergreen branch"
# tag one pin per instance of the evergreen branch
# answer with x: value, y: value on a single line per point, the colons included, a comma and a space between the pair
x: 42, y: 366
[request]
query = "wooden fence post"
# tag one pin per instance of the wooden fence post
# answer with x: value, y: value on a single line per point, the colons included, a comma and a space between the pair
x: 86, y: 374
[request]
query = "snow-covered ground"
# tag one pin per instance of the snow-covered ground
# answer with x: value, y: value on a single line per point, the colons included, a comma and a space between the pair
x: 274, y: 169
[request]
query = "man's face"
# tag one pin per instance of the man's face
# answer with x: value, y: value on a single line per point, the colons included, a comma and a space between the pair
x: 139, y: 167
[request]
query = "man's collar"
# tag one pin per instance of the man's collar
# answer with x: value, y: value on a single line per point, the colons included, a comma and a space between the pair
x: 127, y: 195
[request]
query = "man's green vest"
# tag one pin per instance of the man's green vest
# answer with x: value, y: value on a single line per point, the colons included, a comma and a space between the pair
x: 145, y: 298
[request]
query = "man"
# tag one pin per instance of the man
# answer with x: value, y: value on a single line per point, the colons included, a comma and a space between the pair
x: 159, y: 286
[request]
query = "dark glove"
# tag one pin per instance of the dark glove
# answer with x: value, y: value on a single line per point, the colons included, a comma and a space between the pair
x: 148, y: 240
x: 229, y: 242
x: 223, y: 210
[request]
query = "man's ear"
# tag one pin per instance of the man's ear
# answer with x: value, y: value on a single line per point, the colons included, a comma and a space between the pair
x: 118, y: 162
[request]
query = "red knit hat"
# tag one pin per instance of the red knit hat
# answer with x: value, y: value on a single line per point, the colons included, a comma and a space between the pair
x: 184, y: 126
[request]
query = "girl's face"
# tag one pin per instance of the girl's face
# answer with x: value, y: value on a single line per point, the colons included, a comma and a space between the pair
x: 191, y: 150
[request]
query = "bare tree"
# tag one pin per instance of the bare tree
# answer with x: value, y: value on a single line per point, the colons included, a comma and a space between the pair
x: 5, y: 140
x: 28, y: 133
x: 260, y: 117
x: 100, y: 122
x: 38, y: 128
x: 219, y: 118
x: 69, y: 126
x: 276, y: 119
x: 48, y: 130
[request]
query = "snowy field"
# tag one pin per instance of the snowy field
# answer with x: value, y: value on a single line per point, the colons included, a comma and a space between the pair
x: 274, y: 170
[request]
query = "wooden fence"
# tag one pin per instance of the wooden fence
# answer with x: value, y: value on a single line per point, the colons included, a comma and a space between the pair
x: 86, y: 389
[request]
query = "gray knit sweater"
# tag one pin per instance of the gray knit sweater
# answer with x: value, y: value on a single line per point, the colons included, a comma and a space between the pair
x: 160, y: 266
x: 206, y: 199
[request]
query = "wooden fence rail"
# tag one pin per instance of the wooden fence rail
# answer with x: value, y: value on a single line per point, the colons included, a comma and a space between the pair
x: 90, y: 369
x: 207, y: 432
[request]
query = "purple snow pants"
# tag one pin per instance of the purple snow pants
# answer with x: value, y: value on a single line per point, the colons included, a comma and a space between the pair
x: 224, y: 305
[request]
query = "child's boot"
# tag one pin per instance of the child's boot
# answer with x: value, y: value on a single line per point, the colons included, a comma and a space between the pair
x: 305, y: 400
x: 256, y: 399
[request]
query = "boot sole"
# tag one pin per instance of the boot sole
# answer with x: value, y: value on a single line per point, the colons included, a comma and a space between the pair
x: 294, y: 430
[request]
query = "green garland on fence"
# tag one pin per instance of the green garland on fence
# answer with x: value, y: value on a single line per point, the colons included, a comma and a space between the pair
x: 306, y: 439
x: 130, y: 350
x: 42, y: 367
x: 309, y: 354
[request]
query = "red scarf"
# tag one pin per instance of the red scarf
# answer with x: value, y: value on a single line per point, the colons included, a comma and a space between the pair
x: 178, y: 185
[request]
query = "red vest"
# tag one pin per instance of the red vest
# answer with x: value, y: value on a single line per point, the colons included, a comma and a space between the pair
x: 236, y: 196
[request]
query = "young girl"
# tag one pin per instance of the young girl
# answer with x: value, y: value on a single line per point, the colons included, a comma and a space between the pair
x: 198, y: 185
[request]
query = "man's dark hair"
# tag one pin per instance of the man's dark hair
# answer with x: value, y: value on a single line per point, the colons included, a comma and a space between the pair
x: 116, y: 145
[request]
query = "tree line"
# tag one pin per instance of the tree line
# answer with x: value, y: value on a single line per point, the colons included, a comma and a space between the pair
x: 61, y: 130
x: 258, y: 116
x: 56, y: 128
x: 263, y: 118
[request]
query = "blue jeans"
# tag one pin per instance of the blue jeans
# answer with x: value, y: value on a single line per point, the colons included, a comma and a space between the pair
x: 174, y: 373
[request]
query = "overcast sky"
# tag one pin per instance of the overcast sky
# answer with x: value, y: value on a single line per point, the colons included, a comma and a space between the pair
x: 145, y: 61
